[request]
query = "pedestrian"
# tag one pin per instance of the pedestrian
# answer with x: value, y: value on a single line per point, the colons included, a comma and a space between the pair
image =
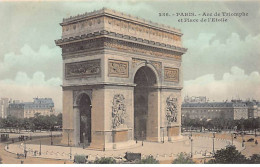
x: 256, y: 142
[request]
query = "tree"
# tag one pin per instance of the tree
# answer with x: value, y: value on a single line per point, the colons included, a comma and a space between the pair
x: 149, y: 160
x: 183, y: 158
x: 254, y: 159
x: 1, y: 160
x: 1, y: 122
x: 59, y: 120
x: 10, y: 122
x: 80, y: 159
x: 105, y: 160
x: 229, y: 155
x: 27, y: 124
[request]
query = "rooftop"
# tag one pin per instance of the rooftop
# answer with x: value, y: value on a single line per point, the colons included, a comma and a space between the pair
x: 214, y: 104
x: 37, y: 103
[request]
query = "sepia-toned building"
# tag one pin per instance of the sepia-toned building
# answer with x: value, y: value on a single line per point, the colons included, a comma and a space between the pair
x: 253, y: 108
x: 3, y: 107
x: 43, y: 106
x: 234, y: 110
x: 122, y: 80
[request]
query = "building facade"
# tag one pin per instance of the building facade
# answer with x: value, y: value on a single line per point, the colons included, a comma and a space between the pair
x: 43, y: 106
x: 253, y: 108
x: 122, y: 80
x: 3, y: 107
x: 234, y: 110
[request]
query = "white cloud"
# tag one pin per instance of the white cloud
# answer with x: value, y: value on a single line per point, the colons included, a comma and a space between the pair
x: 233, y: 84
x: 25, y: 88
x: 206, y: 54
x: 28, y: 60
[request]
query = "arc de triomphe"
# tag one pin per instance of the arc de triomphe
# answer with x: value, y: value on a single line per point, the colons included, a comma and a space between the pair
x: 122, y: 80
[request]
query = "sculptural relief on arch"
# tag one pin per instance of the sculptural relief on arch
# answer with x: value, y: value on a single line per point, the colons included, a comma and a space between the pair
x: 122, y: 80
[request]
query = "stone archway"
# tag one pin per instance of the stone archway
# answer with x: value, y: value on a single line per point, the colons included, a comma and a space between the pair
x: 84, y: 107
x: 146, y: 101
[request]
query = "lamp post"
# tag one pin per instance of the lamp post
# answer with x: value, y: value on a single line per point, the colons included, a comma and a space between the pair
x: 70, y: 149
x: 40, y: 153
x: 25, y: 153
x: 243, y: 144
x: 163, y: 135
x: 68, y: 138
x: 51, y: 139
x: 142, y: 138
x: 213, y: 149
x: 191, y: 140
x: 104, y: 146
x: 83, y: 140
x: 232, y: 138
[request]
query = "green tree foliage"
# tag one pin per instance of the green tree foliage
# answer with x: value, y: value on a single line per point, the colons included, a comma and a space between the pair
x: 222, y: 123
x: 80, y: 159
x: 229, y: 155
x: 183, y: 158
x: 38, y: 122
x: 254, y: 159
x: 105, y: 160
x: 149, y: 160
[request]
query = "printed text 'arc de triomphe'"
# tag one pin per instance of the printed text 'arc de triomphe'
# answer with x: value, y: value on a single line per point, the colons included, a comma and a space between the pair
x: 122, y: 80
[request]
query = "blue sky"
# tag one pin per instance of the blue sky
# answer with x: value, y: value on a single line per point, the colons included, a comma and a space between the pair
x: 222, y: 59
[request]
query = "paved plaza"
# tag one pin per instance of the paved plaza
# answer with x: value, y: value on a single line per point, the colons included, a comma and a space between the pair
x: 201, y: 147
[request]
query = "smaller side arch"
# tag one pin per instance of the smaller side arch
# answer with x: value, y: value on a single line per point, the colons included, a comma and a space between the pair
x: 78, y: 94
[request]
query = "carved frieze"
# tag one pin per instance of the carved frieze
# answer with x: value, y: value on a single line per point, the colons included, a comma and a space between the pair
x: 118, y: 110
x: 100, y: 43
x: 127, y: 47
x: 171, y: 109
x: 171, y: 74
x: 84, y: 45
x: 82, y: 69
x: 118, y: 68
x: 157, y: 65
x: 135, y: 62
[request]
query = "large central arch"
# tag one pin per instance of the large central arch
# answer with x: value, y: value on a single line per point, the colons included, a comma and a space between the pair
x: 146, y: 105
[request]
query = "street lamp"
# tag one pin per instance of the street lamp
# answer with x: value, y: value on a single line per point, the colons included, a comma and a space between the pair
x: 243, y: 144
x: 51, y: 139
x: 24, y: 149
x: 163, y: 135
x: 213, y: 143
x: 191, y: 140
x: 104, y: 145
x: 142, y: 138
x: 40, y: 153
x: 232, y: 138
x: 70, y: 150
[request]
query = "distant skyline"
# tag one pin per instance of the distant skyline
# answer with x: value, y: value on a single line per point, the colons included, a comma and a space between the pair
x: 223, y: 59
